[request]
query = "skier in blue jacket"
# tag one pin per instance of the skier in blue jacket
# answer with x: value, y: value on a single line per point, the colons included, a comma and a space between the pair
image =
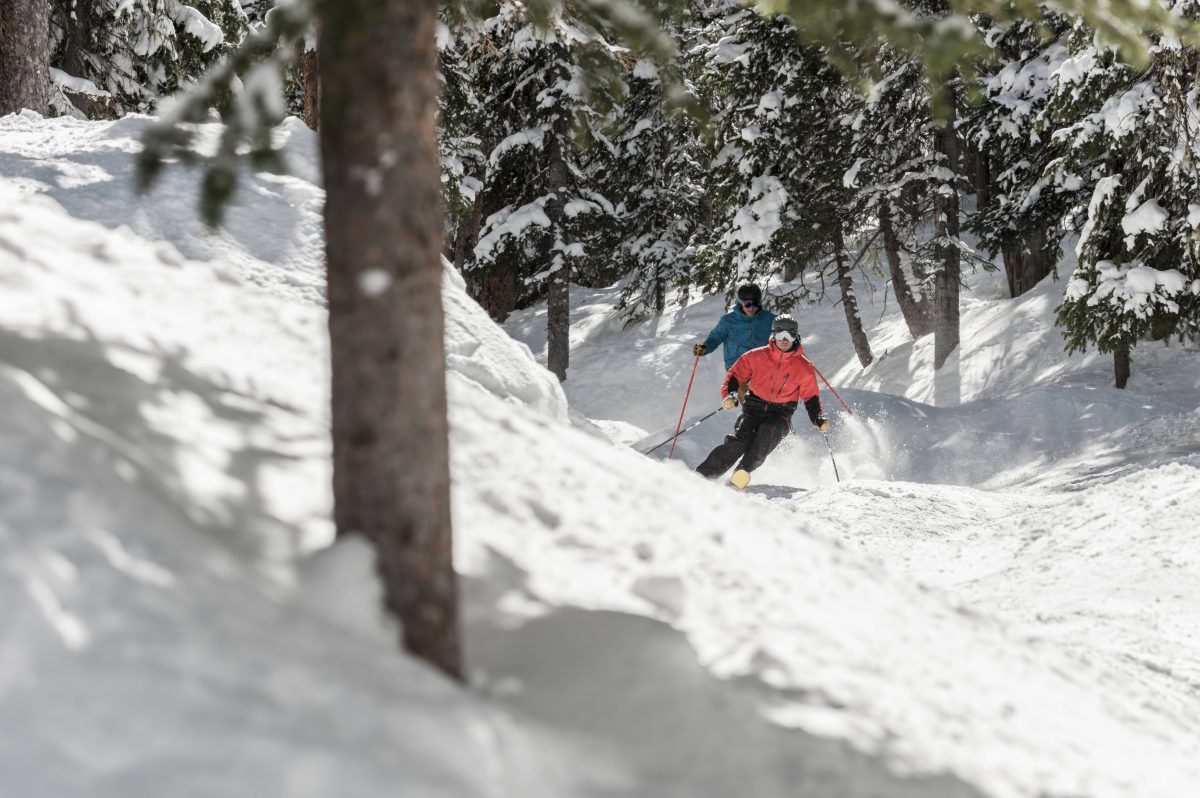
x: 746, y: 327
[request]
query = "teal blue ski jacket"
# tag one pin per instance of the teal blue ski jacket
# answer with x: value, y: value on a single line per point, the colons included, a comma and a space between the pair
x: 740, y: 333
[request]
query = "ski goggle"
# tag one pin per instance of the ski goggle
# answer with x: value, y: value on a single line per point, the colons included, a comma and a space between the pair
x: 749, y: 303
x: 784, y: 335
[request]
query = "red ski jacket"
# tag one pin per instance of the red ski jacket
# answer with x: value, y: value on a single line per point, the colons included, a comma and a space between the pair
x: 774, y: 376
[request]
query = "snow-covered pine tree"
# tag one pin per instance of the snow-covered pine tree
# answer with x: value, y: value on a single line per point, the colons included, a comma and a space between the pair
x: 895, y: 172
x: 769, y: 95
x: 946, y: 211
x: 1138, y: 272
x: 1031, y: 201
x: 256, y: 10
x: 460, y: 153
x: 943, y: 96
x: 657, y: 183
x: 305, y: 78
x: 142, y: 50
x: 783, y: 152
x: 547, y: 91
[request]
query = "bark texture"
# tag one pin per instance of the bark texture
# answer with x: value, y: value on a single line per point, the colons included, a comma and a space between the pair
x: 383, y: 243
x: 24, y: 56
x: 1025, y: 262
x: 862, y: 346
x: 77, y: 18
x: 558, y: 304
x: 975, y: 168
x: 498, y: 288
x: 946, y: 282
x: 466, y: 233
x: 983, y: 179
x: 494, y: 286
x: 306, y: 71
x: 915, y: 311
x: 1121, y: 367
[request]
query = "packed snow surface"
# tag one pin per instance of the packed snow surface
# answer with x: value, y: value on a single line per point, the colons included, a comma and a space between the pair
x: 998, y: 598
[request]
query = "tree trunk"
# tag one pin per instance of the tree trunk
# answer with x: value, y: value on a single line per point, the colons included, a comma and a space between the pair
x: 558, y: 303
x: 660, y: 291
x: 383, y: 226
x: 594, y: 272
x: 1163, y: 327
x: 1025, y: 262
x: 24, y: 56
x: 708, y: 214
x: 983, y: 179
x: 916, y: 314
x: 499, y: 289
x: 791, y: 270
x: 307, y: 72
x: 77, y: 19
x: 862, y: 346
x: 1121, y: 367
x: 946, y: 281
x: 467, y: 230
x: 466, y: 234
x: 495, y: 286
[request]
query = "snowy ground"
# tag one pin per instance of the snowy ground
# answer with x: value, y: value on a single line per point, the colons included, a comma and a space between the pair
x: 998, y: 599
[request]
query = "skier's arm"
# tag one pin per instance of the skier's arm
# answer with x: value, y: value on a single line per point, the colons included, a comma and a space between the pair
x: 811, y: 394
x: 739, y: 374
x: 813, y: 406
x: 717, y: 336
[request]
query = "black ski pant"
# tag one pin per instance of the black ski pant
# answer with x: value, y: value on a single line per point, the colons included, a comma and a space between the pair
x: 756, y: 433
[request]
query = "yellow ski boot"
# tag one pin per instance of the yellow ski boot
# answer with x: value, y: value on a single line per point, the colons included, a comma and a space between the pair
x: 740, y: 479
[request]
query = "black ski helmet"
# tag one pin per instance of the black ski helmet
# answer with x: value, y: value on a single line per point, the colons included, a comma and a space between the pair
x: 785, y: 323
x: 750, y: 291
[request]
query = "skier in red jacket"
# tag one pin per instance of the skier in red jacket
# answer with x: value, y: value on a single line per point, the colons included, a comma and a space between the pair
x: 777, y: 377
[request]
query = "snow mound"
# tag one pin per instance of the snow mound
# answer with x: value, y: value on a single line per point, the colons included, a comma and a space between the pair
x: 163, y: 476
x: 481, y: 353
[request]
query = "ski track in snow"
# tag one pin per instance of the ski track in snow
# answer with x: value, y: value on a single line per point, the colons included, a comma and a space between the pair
x: 997, y: 599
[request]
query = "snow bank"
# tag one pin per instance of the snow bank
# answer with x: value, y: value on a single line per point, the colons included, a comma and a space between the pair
x: 271, y: 237
x: 480, y: 354
x: 163, y: 474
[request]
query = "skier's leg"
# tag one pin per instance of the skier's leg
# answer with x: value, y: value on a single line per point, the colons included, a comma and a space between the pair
x: 771, y: 432
x: 721, y: 458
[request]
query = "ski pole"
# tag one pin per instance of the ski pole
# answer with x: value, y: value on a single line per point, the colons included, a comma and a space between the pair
x: 829, y: 446
x: 830, y: 387
x: 682, y: 409
x: 684, y: 431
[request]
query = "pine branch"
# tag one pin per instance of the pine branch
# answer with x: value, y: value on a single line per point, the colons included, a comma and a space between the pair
x: 173, y: 135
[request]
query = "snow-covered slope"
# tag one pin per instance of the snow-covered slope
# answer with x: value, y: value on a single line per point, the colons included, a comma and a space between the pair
x: 631, y: 629
x: 164, y: 469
